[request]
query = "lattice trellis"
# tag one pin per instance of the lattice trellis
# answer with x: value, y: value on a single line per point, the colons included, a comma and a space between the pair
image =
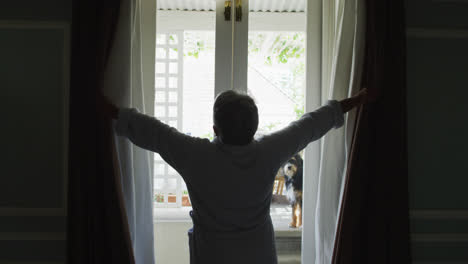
x: 168, y: 185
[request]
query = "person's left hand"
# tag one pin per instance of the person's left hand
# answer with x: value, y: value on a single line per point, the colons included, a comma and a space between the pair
x: 106, y: 108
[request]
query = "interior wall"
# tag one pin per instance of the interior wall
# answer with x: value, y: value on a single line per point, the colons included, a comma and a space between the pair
x: 171, y: 242
x: 437, y: 65
x: 34, y: 55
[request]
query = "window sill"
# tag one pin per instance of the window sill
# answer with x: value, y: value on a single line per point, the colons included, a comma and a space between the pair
x: 172, y: 215
x: 280, y: 215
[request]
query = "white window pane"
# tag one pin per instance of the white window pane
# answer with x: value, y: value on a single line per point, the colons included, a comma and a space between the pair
x: 276, y: 77
x: 160, y: 97
x: 160, y: 67
x: 158, y: 184
x: 173, y: 67
x: 172, y: 111
x: 159, y: 169
x: 173, y: 82
x: 171, y: 184
x: 160, y: 39
x: 173, y: 53
x: 173, y: 97
x: 198, y: 82
x: 160, y: 111
x: 160, y: 82
x: 160, y: 53
x: 173, y: 40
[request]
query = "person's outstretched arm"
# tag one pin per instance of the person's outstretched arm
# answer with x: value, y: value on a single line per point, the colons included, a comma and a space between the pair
x: 283, y: 144
x: 150, y: 133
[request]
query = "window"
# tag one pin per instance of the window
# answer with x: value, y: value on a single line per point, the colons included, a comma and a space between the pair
x: 184, y: 88
x: 168, y: 185
x: 266, y: 56
x: 270, y: 63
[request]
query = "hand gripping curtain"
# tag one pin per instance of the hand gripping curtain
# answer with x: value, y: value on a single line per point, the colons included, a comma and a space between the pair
x: 124, y: 85
x: 342, y: 58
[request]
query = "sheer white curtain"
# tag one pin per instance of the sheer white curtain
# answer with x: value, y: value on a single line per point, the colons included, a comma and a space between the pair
x: 342, y: 50
x: 125, y: 87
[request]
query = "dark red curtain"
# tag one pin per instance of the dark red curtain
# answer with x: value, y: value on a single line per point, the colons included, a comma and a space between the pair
x: 373, y: 226
x: 97, y: 228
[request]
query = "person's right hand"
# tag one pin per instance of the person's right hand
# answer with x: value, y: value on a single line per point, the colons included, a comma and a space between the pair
x: 362, y: 97
x: 355, y: 101
x: 372, y: 95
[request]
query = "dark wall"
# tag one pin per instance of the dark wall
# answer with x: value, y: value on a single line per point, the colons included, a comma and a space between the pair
x: 34, y: 70
x: 437, y: 61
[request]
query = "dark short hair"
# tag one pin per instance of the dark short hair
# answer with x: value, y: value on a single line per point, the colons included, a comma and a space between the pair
x: 236, y: 117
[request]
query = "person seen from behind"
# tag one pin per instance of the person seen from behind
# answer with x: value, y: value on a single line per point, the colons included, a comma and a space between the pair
x: 230, y: 179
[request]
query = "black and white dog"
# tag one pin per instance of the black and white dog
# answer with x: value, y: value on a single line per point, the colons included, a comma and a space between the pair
x: 293, y: 172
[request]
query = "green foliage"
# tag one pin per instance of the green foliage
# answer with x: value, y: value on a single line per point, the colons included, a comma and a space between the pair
x: 285, y: 46
x: 194, y: 44
x: 195, y: 51
x: 275, y: 49
x: 159, y: 198
x: 255, y: 42
x: 269, y: 127
x: 209, y: 136
x: 299, y: 110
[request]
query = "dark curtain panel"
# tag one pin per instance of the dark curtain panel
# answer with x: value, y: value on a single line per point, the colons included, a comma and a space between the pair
x: 97, y: 224
x: 373, y: 225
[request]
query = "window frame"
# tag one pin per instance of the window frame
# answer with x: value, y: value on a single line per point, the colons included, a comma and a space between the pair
x: 166, y: 105
x: 315, y: 29
x: 203, y: 21
x: 311, y: 23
